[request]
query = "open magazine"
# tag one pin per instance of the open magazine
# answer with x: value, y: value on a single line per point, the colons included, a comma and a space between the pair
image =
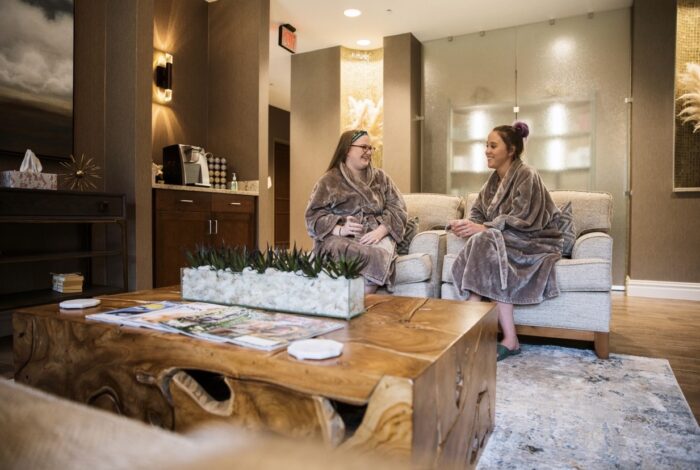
x: 229, y: 324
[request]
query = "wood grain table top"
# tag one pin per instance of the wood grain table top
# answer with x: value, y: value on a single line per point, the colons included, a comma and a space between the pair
x: 396, y: 336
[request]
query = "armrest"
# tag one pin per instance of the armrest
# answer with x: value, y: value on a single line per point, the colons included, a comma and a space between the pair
x: 593, y: 245
x: 431, y: 242
x: 454, y: 244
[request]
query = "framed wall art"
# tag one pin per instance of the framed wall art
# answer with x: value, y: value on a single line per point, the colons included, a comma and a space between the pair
x: 36, y: 83
x: 686, y: 142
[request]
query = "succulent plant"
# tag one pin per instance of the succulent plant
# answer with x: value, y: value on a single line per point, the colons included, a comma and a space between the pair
x: 238, y: 258
x: 346, y: 266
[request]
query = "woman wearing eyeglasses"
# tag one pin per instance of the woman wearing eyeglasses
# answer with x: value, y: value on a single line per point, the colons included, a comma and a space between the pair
x: 356, y: 210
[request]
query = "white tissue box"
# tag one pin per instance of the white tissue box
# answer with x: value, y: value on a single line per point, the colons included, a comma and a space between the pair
x: 27, y: 179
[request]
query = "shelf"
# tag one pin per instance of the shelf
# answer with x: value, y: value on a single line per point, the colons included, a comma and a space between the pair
x: 569, y: 135
x: 26, y: 241
x: 48, y: 296
x: 468, y: 172
x: 508, y: 107
x: 57, y: 256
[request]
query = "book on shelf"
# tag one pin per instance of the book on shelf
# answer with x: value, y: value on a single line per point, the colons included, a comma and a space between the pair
x: 242, y: 326
x: 67, y: 282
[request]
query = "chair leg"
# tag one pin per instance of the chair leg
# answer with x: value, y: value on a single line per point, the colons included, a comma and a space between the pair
x: 601, y: 344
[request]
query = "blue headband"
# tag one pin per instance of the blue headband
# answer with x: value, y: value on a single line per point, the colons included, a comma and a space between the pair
x: 357, y: 135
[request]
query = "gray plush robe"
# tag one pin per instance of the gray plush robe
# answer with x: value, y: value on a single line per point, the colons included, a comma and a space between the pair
x: 374, y: 201
x: 513, y: 260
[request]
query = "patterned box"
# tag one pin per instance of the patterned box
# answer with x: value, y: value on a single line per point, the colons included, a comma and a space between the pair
x: 27, y: 179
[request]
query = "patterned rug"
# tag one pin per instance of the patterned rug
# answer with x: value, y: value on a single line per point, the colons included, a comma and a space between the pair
x: 564, y: 408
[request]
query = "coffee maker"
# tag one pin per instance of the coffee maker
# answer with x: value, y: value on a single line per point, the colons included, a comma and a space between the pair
x: 186, y: 165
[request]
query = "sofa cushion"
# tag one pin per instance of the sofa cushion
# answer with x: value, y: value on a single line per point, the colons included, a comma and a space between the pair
x: 413, y: 268
x: 433, y: 210
x: 565, y: 222
x: 583, y: 275
x: 409, y: 233
x: 573, y: 275
x: 414, y: 289
x: 592, y: 210
x: 447, y: 263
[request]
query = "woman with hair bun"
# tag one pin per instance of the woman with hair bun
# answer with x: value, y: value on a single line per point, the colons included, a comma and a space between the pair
x: 512, y: 237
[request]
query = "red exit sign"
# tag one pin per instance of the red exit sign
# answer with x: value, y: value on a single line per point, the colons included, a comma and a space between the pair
x: 287, y: 37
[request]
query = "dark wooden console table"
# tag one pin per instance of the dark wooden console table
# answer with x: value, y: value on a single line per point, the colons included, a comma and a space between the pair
x: 45, y: 231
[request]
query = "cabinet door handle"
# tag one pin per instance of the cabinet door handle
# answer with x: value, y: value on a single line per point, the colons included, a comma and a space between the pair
x: 209, y: 227
x: 187, y: 200
x: 234, y: 203
x: 216, y: 226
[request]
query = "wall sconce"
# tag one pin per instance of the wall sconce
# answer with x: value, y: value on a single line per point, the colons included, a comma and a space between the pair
x: 164, y: 77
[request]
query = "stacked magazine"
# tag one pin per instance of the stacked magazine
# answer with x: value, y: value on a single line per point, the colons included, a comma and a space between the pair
x: 220, y: 323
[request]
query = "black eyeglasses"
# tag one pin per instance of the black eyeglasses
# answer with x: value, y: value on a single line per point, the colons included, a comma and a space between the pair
x: 365, y: 148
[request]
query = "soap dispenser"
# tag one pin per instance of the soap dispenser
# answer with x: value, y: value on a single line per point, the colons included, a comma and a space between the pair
x: 234, y: 182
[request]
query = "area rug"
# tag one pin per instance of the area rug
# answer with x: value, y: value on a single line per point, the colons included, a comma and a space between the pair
x: 565, y: 408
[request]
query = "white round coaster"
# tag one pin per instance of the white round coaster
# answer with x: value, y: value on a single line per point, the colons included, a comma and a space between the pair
x: 315, y: 349
x: 79, y: 303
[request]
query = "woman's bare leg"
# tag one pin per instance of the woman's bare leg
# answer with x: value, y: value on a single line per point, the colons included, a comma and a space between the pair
x: 370, y: 288
x: 474, y: 297
x: 505, y: 318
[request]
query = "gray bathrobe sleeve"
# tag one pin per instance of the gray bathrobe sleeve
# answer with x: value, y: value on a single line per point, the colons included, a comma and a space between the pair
x: 374, y: 202
x: 513, y: 260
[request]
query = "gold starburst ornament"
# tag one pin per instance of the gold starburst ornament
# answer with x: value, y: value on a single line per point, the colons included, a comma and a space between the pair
x: 80, y: 174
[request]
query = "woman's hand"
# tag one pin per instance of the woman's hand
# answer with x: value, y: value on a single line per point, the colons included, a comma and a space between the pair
x: 464, y: 228
x: 352, y: 228
x: 375, y: 236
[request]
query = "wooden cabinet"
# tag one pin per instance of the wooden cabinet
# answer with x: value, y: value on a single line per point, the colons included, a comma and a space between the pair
x: 44, y: 231
x: 184, y: 219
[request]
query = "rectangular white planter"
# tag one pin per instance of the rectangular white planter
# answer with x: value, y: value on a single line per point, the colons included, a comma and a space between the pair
x: 276, y: 290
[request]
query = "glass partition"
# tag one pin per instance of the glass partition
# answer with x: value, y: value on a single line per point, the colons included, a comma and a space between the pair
x: 568, y: 80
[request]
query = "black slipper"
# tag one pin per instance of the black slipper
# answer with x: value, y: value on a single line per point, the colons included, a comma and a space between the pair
x: 504, y: 352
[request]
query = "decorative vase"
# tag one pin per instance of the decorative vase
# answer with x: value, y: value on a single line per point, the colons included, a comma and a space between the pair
x: 276, y: 290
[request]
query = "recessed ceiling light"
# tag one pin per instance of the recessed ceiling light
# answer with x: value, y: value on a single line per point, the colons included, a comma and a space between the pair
x: 363, y: 42
x: 352, y: 12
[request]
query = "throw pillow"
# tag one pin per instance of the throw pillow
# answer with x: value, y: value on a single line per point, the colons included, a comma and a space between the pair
x: 565, y: 222
x: 409, y: 232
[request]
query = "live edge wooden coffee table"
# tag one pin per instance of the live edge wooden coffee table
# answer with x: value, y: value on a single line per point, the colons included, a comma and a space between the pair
x: 417, y: 377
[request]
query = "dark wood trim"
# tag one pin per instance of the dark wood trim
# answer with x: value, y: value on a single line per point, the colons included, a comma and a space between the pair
x: 600, y: 339
x: 547, y: 332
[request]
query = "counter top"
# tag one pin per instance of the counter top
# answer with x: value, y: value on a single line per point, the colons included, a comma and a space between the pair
x: 200, y: 189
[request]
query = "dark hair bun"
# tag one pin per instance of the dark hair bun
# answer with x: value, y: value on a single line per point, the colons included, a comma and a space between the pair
x: 521, y: 129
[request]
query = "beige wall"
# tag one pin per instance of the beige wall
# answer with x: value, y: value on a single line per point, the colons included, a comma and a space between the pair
x: 220, y: 87
x: 112, y: 123
x: 314, y: 129
x: 402, y: 104
x: 665, y: 227
x: 238, y: 95
x: 180, y: 28
x: 234, y: 72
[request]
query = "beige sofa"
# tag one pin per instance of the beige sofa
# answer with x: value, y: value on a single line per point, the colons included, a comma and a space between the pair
x: 582, y: 310
x: 41, y: 431
x: 418, y: 272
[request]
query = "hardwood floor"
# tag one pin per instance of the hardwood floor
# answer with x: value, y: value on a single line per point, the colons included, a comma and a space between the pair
x: 668, y: 329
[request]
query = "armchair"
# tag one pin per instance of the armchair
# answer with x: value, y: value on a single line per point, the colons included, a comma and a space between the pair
x: 582, y: 309
x: 418, y: 272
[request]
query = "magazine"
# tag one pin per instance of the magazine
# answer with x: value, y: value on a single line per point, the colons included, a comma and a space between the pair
x: 243, y: 326
x: 150, y: 314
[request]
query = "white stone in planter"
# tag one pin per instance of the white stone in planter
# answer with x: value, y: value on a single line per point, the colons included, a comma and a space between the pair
x: 276, y: 290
